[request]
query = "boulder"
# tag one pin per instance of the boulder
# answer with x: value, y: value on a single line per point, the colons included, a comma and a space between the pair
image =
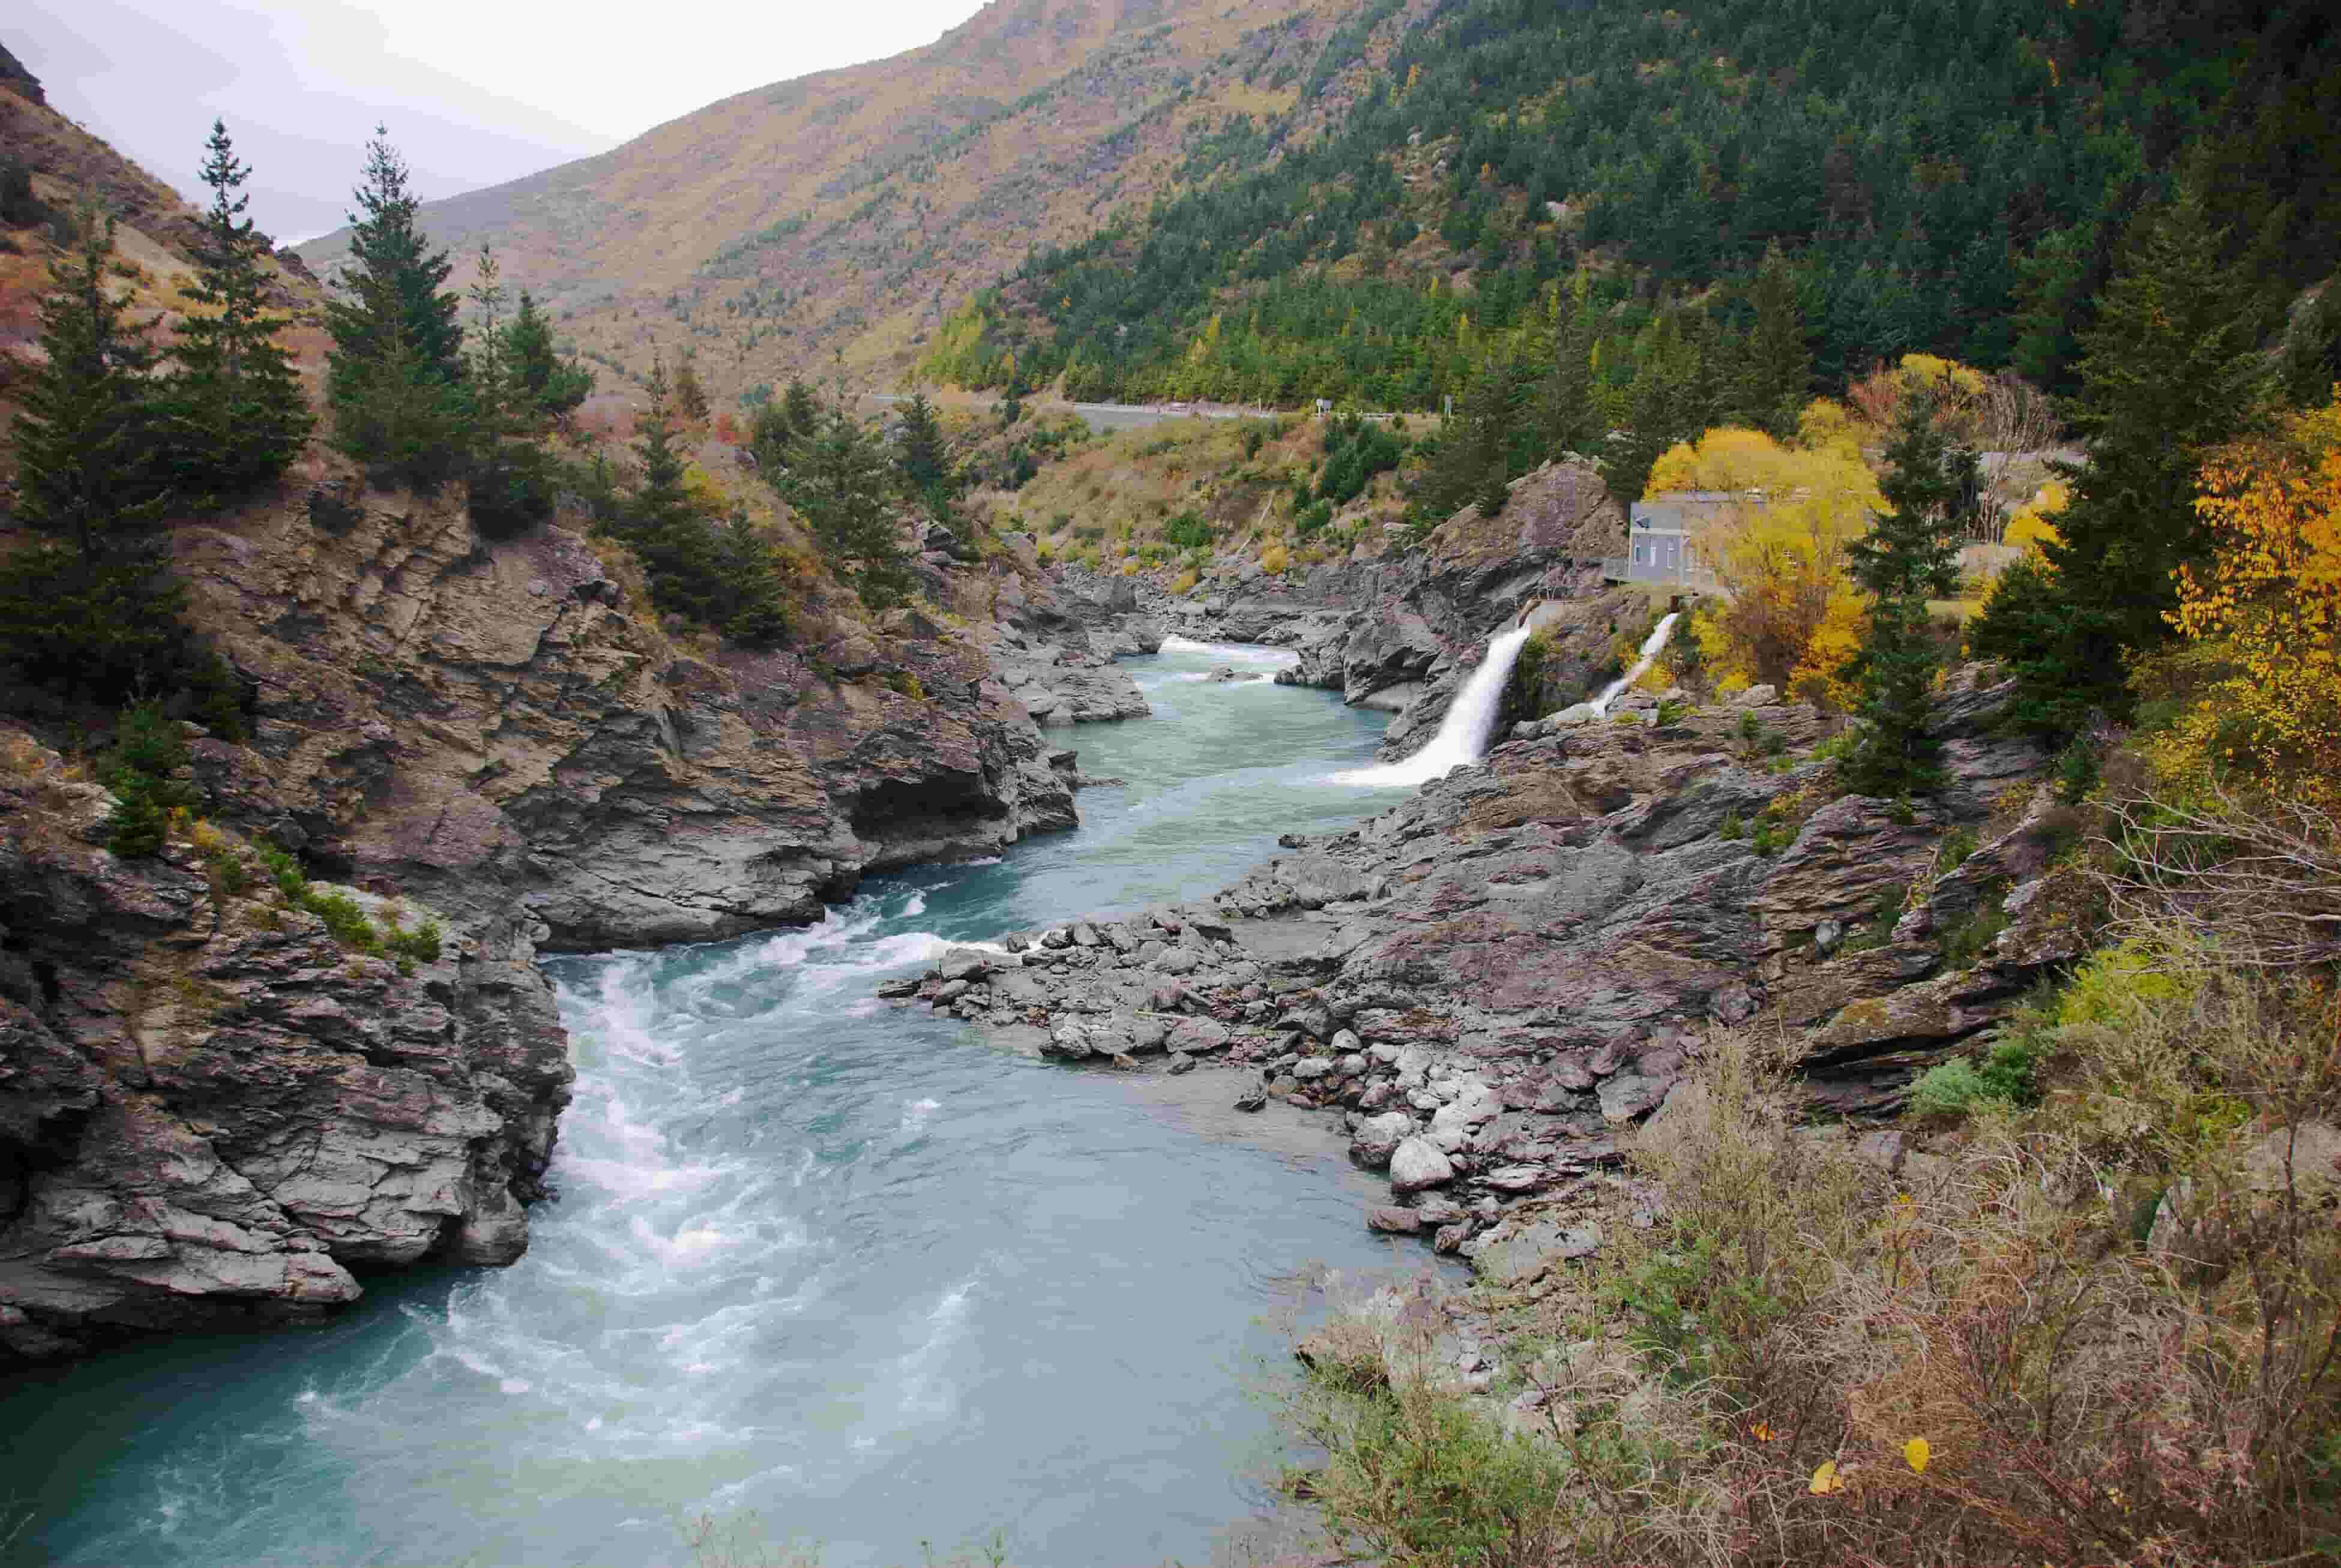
x: 1377, y: 1138
x: 1418, y: 1165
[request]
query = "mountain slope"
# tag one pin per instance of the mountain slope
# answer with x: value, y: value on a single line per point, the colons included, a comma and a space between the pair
x: 844, y: 209
x: 1945, y: 175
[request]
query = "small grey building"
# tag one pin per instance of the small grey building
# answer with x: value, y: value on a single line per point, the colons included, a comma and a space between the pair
x: 1663, y: 533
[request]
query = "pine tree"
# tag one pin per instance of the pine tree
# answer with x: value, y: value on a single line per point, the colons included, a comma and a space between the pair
x: 660, y: 520
x: 555, y: 388
x: 238, y: 416
x: 90, y: 604
x: 509, y: 477
x: 800, y: 408
x: 2312, y: 348
x: 750, y: 570
x: 397, y: 354
x: 838, y: 481
x: 1565, y: 408
x: 1910, y: 557
x: 922, y: 456
x: 690, y: 397
x: 1670, y: 400
x: 1777, y: 369
x: 2171, y: 369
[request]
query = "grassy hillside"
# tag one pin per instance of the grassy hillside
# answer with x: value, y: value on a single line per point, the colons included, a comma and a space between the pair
x: 850, y: 209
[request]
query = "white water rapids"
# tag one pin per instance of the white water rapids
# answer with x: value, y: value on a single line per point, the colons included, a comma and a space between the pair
x: 1462, y: 735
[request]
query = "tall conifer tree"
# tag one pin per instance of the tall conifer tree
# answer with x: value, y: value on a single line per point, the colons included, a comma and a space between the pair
x: 510, y: 477
x: 397, y: 350
x: 554, y: 387
x: 2171, y: 369
x: 1776, y: 371
x: 838, y: 483
x: 238, y: 416
x: 1910, y: 556
x: 924, y: 456
x: 89, y: 605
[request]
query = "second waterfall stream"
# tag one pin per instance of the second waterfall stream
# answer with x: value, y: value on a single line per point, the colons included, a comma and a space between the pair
x: 1652, y: 646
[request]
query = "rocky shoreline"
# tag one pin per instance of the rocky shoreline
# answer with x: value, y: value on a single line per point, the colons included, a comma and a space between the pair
x: 1487, y: 982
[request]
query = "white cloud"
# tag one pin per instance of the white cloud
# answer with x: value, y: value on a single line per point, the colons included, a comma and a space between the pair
x: 473, y: 91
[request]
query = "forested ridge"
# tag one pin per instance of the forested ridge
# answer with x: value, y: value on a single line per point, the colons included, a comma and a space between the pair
x: 1946, y: 176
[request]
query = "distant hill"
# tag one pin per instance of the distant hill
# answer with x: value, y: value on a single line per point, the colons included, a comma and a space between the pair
x: 842, y: 210
x: 1285, y: 199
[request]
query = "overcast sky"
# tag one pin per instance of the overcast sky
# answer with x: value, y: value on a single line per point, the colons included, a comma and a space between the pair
x: 474, y: 92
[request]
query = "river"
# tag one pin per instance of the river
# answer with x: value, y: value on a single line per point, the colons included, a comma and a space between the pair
x: 822, y: 1269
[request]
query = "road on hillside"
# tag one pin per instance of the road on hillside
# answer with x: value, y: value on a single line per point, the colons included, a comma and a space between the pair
x: 1127, y: 416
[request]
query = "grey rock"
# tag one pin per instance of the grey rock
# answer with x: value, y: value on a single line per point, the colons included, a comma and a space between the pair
x: 1418, y: 1165
x: 968, y: 965
x: 1378, y: 1138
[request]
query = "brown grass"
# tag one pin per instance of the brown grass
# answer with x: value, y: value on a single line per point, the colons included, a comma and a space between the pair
x: 2115, y: 1322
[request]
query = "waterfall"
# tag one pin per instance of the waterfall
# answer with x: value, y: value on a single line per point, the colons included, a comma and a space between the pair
x: 1463, y: 734
x: 1650, y: 647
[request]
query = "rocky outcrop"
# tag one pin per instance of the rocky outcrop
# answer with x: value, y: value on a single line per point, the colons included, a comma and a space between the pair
x: 1491, y: 978
x: 211, y: 1112
x: 508, y: 728
x: 15, y: 79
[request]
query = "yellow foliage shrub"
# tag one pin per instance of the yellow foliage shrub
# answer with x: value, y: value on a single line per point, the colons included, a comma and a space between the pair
x: 2031, y: 527
x: 1780, y: 556
x: 1273, y: 560
x: 706, y: 495
x: 1183, y: 583
x: 1819, y: 676
x: 1963, y: 392
x: 2270, y: 600
x: 1827, y: 425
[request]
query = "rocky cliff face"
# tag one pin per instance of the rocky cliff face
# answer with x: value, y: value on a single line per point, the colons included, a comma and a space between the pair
x: 212, y: 1114
x: 19, y: 81
x: 1490, y: 979
x: 214, y: 1111
x: 506, y: 730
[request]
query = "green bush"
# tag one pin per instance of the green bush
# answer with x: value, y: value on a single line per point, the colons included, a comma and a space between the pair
x: 1672, y: 713
x: 1964, y: 943
x: 2006, y: 1074
x: 148, y: 748
x: 1419, y: 1478
x: 2077, y: 772
x: 1734, y: 825
x: 422, y: 944
x: 1188, y: 532
x: 1959, y: 848
x: 345, y: 920
x: 285, y: 872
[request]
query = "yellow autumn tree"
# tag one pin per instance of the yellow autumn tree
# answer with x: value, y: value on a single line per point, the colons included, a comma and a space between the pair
x: 1792, y: 614
x: 2035, y: 525
x: 2269, y: 601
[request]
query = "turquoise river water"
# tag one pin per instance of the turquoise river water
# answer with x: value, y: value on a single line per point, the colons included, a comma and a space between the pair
x: 822, y: 1269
